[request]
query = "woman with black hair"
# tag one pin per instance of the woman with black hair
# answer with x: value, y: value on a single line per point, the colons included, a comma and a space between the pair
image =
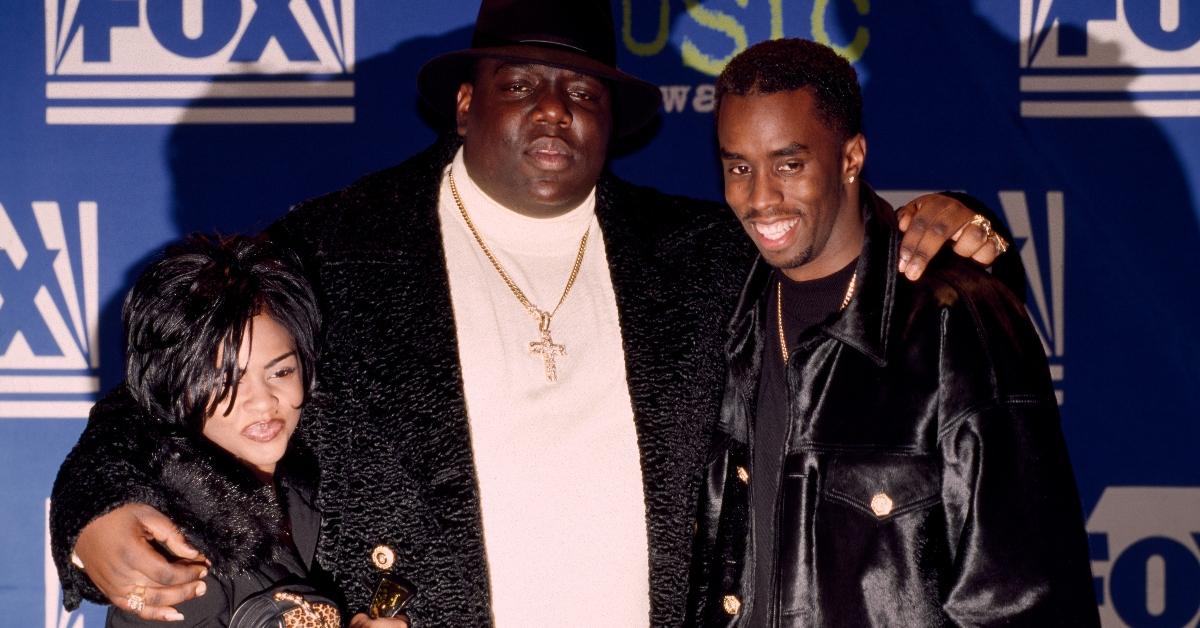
x: 220, y: 351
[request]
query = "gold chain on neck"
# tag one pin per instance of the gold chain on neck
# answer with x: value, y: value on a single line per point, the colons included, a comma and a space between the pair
x: 779, y: 310
x: 544, y: 347
x: 516, y: 290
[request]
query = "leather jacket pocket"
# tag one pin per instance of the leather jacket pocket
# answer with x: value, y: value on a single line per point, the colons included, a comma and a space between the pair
x: 876, y: 542
x: 883, y: 486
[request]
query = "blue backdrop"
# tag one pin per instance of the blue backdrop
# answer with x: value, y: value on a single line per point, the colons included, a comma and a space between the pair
x: 125, y: 123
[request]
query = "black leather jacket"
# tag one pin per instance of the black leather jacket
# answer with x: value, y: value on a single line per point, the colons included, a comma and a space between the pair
x: 925, y: 480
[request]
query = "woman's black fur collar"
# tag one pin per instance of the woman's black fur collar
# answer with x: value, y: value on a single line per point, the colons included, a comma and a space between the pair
x: 226, y: 512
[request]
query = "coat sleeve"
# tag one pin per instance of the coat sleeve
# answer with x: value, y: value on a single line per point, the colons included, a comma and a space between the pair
x: 107, y: 468
x: 1015, y: 526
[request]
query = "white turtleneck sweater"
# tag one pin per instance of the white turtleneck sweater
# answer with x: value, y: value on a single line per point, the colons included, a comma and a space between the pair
x: 560, y: 480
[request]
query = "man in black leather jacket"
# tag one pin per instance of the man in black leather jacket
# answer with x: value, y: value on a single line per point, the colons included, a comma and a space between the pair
x: 889, y: 453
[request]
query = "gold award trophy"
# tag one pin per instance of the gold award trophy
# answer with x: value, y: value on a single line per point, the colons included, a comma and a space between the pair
x: 392, y: 593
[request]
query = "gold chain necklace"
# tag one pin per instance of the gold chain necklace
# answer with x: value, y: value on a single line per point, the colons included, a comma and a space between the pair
x: 779, y: 310
x: 546, y: 347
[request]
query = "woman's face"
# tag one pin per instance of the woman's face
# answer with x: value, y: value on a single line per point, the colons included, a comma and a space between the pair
x: 266, y: 411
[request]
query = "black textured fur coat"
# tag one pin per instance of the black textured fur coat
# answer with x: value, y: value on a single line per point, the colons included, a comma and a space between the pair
x: 254, y: 535
x: 224, y: 510
x: 388, y: 421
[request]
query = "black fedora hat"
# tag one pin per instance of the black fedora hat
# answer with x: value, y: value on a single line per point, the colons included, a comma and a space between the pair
x: 572, y: 34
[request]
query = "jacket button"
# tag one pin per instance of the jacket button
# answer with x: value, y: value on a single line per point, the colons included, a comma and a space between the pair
x: 881, y: 504
x: 743, y: 475
x: 732, y: 604
x: 383, y: 557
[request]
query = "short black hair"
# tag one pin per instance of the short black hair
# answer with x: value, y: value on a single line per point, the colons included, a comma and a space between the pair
x: 193, y: 304
x: 784, y: 65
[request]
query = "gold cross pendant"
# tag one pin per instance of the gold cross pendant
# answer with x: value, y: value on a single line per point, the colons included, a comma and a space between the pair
x: 547, y: 348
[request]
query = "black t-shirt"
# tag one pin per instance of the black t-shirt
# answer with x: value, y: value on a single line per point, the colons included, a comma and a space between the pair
x: 805, y: 305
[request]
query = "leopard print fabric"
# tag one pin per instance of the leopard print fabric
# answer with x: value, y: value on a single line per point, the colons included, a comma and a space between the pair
x: 307, y: 614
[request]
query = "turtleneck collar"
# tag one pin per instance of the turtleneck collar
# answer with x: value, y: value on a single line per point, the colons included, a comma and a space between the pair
x: 505, y: 229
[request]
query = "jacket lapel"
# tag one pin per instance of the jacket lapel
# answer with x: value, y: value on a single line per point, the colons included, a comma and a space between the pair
x: 394, y: 406
x: 865, y: 323
x: 665, y: 336
x: 436, y: 441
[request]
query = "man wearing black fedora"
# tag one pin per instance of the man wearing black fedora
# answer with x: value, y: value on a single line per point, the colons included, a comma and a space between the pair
x: 522, y: 361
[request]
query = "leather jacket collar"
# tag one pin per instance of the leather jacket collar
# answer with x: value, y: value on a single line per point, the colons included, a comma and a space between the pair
x: 864, y: 324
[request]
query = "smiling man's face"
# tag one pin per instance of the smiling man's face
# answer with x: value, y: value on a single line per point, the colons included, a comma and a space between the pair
x: 534, y: 136
x: 787, y: 179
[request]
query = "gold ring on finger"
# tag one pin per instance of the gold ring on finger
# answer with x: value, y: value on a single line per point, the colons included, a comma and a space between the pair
x: 999, y: 242
x: 137, y: 599
x: 979, y: 220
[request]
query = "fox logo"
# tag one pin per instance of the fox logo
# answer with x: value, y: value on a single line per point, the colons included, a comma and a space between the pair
x: 1145, y: 547
x: 1044, y: 273
x: 192, y: 37
x: 49, y: 310
x: 274, y: 47
x: 1067, y: 44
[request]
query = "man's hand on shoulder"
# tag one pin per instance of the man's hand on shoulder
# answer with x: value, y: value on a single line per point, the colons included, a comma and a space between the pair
x: 118, y: 554
x: 930, y: 220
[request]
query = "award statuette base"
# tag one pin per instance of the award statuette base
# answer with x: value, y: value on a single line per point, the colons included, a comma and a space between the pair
x: 391, y: 596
